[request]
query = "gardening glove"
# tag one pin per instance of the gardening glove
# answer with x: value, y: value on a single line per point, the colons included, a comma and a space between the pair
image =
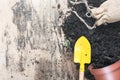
x: 108, y: 12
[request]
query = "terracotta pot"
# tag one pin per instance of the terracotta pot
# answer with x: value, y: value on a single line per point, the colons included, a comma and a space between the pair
x: 111, y: 72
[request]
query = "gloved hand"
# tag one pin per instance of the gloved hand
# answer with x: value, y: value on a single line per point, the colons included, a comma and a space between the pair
x: 108, y: 12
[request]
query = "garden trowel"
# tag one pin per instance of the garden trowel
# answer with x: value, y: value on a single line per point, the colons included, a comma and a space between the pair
x: 82, y: 54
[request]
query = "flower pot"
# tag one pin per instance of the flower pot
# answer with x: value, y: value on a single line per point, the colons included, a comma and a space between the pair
x: 111, y: 72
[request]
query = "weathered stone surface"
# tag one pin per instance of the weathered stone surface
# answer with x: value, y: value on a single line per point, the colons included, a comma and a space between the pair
x: 31, y: 41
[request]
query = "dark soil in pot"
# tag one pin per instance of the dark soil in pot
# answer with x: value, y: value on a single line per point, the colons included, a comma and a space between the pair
x: 105, y: 39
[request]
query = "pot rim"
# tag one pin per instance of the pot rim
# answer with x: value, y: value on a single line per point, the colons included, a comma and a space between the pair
x: 104, y: 70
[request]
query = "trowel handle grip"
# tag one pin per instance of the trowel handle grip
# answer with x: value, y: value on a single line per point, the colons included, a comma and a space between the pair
x: 81, y: 75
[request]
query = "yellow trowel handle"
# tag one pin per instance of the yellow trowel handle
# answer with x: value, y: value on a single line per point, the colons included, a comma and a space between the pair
x: 81, y: 75
x: 81, y: 72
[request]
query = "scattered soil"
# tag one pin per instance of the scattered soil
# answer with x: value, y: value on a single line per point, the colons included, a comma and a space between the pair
x: 105, y: 39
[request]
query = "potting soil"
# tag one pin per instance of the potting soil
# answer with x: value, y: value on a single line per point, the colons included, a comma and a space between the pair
x: 104, y: 39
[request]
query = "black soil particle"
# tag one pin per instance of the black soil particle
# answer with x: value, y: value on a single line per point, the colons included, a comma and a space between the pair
x: 105, y: 39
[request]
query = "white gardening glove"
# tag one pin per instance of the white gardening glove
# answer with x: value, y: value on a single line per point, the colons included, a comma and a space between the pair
x: 108, y: 12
